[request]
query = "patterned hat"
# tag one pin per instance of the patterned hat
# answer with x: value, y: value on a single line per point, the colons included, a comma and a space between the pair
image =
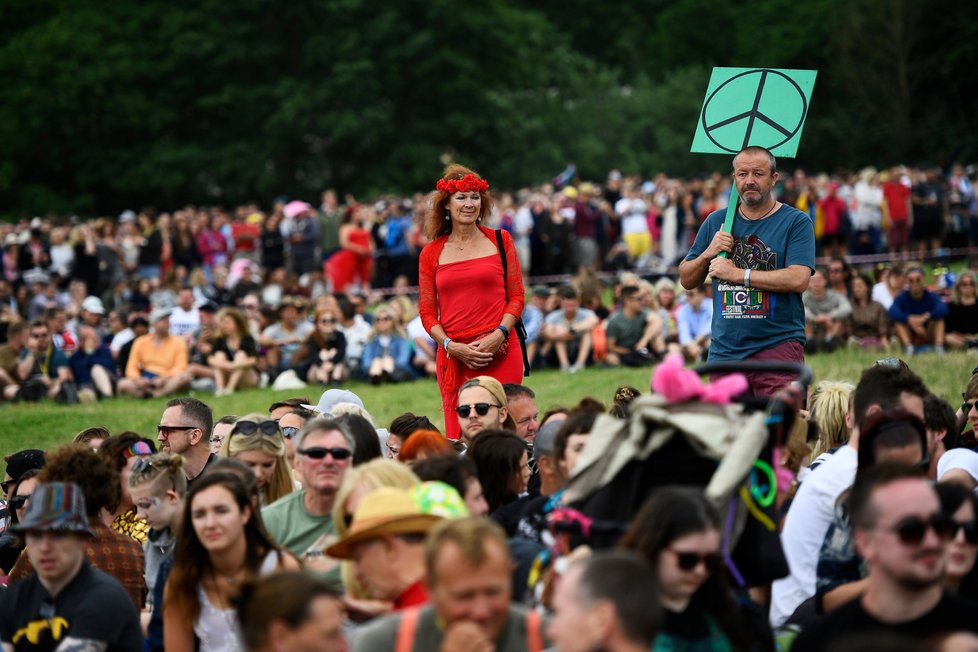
x: 56, y: 506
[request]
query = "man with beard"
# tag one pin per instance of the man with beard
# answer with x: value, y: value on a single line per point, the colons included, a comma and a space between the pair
x: 901, y: 533
x: 758, y: 312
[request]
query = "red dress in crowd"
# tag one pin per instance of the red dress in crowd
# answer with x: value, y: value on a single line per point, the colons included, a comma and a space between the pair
x: 469, y: 298
x: 346, y: 265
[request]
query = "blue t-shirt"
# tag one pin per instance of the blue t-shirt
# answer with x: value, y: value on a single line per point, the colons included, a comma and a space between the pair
x: 747, y: 321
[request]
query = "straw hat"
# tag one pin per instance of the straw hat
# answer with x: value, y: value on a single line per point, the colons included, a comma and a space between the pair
x: 386, y: 510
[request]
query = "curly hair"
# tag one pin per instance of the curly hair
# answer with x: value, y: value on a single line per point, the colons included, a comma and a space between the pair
x: 435, y: 223
x: 78, y: 463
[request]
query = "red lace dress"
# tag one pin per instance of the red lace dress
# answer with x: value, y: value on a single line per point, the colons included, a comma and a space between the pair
x: 469, y: 298
x: 346, y: 265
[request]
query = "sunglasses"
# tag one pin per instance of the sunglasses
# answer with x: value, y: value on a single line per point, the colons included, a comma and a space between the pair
x: 18, y: 502
x: 166, y: 431
x: 970, y: 529
x: 482, y: 409
x: 327, y: 321
x: 289, y: 431
x: 319, y: 453
x: 141, y: 465
x: 688, y: 561
x: 968, y: 406
x: 911, y: 531
x: 269, y: 428
x: 6, y: 484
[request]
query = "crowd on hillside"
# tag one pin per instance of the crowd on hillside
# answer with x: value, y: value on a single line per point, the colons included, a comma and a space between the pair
x: 252, y: 297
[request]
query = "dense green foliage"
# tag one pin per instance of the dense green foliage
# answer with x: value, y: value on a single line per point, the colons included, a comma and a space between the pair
x: 108, y: 105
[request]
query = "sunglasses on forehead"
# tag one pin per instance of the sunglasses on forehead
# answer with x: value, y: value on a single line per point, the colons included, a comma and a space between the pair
x: 482, y: 409
x: 142, y: 464
x: 269, y: 428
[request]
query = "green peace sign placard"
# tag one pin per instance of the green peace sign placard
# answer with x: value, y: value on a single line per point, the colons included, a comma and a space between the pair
x: 754, y: 106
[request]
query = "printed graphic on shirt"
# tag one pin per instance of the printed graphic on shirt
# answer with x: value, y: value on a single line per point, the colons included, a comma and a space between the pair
x: 739, y: 302
x: 40, y: 633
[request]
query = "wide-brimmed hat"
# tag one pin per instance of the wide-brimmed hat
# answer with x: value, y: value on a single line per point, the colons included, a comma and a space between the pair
x: 56, y: 506
x: 386, y: 510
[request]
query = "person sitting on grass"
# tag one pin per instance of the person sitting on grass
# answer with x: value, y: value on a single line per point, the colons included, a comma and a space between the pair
x: 694, y: 323
x: 962, y: 318
x: 158, y: 361
x: 235, y: 354
x: 387, y: 353
x: 567, y: 332
x: 634, y: 333
x: 825, y: 313
x: 918, y: 315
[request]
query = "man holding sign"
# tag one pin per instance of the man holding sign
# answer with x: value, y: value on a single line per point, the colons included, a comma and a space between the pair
x: 759, y: 265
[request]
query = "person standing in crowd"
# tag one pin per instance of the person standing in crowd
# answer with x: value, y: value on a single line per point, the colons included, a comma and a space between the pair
x: 606, y: 602
x: 290, y: 611
x: 678, y: 532
x: 478, y: 338
x: 758, y: 312
x: 220, y: 544
x: 352, y: 265
x: 66, y: 603
x: 468, y: 568
x: 258, y: 442
x: 903, y: 534
x: 918, y: 315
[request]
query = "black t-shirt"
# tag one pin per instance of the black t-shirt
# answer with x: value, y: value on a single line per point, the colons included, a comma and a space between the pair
x: 952, y: 614
x: 92, y: 607
x: 962, y: 319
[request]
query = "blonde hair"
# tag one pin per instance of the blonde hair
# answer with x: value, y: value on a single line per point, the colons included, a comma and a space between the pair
x: 280, y: 484
x: 164, y: 471
x: 830, y: 403
x: 378, y: 472
x: 398, y: 328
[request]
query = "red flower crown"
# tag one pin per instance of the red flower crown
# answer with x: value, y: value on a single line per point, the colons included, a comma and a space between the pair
x: 468, y: 183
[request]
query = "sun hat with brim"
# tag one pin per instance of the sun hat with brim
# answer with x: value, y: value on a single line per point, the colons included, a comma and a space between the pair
x: 56, y: 507
x: 386, y: 510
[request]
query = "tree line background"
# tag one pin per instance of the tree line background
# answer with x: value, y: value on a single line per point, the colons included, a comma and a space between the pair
x: 131, y: 103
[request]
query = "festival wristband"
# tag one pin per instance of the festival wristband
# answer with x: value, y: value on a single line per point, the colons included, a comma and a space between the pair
x: 445, y: 342
x: 504, y: 330
x: 747, y: 277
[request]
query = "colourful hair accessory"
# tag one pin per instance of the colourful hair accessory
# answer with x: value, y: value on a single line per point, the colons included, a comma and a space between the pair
x: 439, y: 499
x: 468, y: 183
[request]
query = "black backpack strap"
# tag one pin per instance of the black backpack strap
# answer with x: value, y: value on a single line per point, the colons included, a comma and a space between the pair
x: 520, y: 328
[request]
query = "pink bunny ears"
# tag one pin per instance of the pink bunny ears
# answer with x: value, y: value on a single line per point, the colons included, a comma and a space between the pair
x: 678, y: 384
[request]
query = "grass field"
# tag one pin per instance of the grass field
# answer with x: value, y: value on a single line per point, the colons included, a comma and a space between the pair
x: 46, y: 425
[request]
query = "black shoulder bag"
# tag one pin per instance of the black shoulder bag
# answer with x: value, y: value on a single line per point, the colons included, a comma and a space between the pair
x: 520, y: 328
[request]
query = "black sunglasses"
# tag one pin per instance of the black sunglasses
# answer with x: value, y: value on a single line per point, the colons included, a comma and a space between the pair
x: 269, y: 428
x: 690, y: 560
x: 5, y: 485
x: 911, y: 531
x: 289, y: 431
x: 166, y: 431
x: 970, y: 529
x: 482, y: 409
x: 319, y: 453
x: 18, y: 502
x: 968, y: 406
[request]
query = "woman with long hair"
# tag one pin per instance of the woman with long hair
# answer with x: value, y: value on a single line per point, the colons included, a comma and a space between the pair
x: 220, y: 544
x: 961, y: 506
x: 463, y: 261
x: 387, y: 353
x: 354, y: 261
x: 679, y: 533
x: 867, y: 324
x: 235, y: 353
x: 11, y: 543
x: 502, y: 460
x: 828, y: 408
x: 322, y: 357
x: 961, y: 323
x: 258, y: 442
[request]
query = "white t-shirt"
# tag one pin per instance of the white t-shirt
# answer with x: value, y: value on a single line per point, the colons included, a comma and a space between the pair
x: 184, y: 322
x: 804, y: 530
x: 632, y: 211
x: 881, y: 295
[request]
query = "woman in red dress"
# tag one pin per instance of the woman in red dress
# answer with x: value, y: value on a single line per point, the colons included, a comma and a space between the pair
x: 466, y: 303
x: 354, y: 260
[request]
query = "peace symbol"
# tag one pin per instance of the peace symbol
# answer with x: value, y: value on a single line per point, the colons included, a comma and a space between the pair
x: 777, y: 129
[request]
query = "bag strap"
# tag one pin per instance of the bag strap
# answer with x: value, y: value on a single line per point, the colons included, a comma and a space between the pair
x: 502, y: 252
x: 533, y: 640
x: 520, y: 329
x: 406, y: 628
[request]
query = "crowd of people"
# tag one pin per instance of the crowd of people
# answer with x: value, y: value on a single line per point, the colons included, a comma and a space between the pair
x: 311, y: 528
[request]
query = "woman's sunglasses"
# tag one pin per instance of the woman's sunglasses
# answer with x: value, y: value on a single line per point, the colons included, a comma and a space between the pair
x: 18, y: 502
x: 269, y: 428
x: 482, y: 409
x: 690, y: 560
x: 911, y: 531
x: 289, y: 431
x: 970, y: 529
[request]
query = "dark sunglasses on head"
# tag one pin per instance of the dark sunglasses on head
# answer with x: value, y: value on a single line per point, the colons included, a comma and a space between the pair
x: 289, y: 431
x: 269, y: 428
x: 141, y: 465
x: 319, y: 453
x: 970, y: 529
x: 18, y: 502
x: 690, y: 560
x: 911, y: 531
x: 482, y: 409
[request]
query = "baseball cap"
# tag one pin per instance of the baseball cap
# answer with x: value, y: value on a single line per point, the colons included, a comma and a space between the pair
x: 21, y: 462
x: 93, y: 304
x: 158, y: 314
x: 332, y: 397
